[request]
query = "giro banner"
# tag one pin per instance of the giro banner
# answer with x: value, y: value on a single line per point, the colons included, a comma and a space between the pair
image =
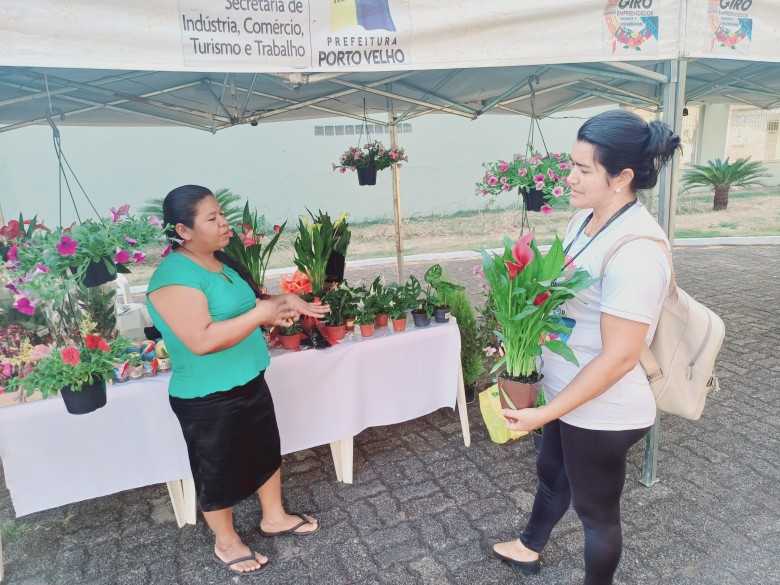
x: 341, y: 35
x: 733, y: 29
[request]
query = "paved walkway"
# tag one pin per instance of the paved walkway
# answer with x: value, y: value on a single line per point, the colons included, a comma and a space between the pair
x: 424, y: 508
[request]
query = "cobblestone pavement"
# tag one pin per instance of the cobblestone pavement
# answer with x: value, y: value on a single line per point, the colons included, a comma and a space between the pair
x: 423, y: 508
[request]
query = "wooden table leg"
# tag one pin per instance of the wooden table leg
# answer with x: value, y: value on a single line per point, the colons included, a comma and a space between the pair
x: 177, y: 500
x: 462, y: 410
x: 182, y: 493
x: 335, y: 451
x: 342, y: 452
x: 190, y: 501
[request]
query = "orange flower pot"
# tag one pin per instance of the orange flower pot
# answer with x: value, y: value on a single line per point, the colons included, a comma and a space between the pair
x: 335, y: 333
x: 367, y: 330
x: 381, y: 321
x: 399, y: 325
x: 291, y: 342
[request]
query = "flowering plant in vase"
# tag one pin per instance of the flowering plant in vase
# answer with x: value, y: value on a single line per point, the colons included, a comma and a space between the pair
x: 296, y: 283
x: 526, y: 287
x: 313, y: 247
x: 246, y: 244
x: 541, y: 180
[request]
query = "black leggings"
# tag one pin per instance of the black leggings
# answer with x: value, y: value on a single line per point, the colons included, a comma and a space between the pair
x: 588, y: 467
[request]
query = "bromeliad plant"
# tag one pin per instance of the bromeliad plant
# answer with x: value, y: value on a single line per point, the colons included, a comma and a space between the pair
x: 246, y: 245
x: 544, y: 173
x: 526, y: 287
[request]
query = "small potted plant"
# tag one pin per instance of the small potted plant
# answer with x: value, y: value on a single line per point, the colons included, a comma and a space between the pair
x: 424, y: 302
x: 365, y: 319
x: 526, y: 287
x: 540, y: 180
x: 443, y: 288
x: 339, y: 301
x: 379, y: 300
x: 290, y: 337
x: 313, y: 247
x: 334, y: 269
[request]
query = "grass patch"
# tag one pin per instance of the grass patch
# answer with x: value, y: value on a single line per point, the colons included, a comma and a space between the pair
x: 11, y: 531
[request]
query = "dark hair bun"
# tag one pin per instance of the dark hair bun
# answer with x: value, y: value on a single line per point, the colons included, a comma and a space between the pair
x: 623, y: 140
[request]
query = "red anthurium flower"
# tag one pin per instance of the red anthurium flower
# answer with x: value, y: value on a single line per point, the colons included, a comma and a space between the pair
x: 10, y: 231
x: 541, y: 298
x: 277, y: 228
x: 248, y: 238
x: 522, y: 254
x: 71, y: 356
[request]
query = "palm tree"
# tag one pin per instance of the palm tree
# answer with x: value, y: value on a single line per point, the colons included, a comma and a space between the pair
x: 723, y: 175
x: 228, y: 201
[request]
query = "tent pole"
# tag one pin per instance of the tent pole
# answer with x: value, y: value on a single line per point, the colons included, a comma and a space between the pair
x: 399, y: 251
x: 673, y: 102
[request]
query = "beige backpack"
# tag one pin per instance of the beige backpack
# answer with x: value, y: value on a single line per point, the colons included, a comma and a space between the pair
x: 680, y: 361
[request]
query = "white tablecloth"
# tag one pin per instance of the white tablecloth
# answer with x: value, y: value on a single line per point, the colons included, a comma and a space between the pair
x: 51, y: 458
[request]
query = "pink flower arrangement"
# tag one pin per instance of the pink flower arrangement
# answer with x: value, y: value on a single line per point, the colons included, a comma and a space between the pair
x: 543, y: 173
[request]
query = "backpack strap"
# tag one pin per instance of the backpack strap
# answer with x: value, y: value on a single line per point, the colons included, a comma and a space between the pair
x: 646, y: 358
x: 632, y: 238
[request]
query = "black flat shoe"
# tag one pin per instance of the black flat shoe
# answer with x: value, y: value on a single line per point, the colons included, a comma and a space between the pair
x: 525, y: 567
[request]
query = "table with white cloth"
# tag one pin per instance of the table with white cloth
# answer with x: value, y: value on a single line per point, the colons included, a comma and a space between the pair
x: 51, y: 458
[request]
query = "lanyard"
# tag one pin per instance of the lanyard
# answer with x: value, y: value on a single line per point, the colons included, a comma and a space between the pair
x: 617, y: 214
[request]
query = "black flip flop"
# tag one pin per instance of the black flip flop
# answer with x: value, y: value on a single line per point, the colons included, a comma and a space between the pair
x: 292, y: 530
x: 253, y: 557
x: 525, y: 567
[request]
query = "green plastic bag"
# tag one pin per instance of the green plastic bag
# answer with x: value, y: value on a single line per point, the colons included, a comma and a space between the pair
x: 490, y: 407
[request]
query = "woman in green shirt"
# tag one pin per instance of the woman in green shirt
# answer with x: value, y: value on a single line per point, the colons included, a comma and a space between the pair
x: 209, y: 316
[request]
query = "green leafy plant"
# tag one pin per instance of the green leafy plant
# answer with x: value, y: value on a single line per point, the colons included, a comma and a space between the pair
x: 293, y: 329
x: 229, y: 202
x: 341, y: 303
x: 365, y: 316
x: 721, y: 176
x: 443, y: 288
x: 526, y: 287
x: 426, y: 298
x: 379, y: 298
x: 313, y: 247
x: 246, y: 246
x: 341, y: 232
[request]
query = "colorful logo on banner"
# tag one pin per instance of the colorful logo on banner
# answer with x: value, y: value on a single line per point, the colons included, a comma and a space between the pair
x: 632, y: 25
x: 368, y: 14
x: 731, y: 25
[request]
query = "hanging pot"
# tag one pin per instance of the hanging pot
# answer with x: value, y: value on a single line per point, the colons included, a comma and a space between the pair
x: 367, y: 174
x: 334, y: 271
x: 521, y: 392
x: 534, y: 199
x: 87, y: 399
x: 98, y: 273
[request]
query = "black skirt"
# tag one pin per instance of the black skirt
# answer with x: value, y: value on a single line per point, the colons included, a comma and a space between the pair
x: 232, y: 441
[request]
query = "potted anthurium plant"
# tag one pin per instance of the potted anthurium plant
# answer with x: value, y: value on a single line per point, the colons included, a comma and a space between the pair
x: 246, y: 244
x: 526, y: 287
x: 540, y: 179
x: 368, y: 160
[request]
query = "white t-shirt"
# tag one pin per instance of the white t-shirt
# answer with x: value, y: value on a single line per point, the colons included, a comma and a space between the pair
x: 634, y: 287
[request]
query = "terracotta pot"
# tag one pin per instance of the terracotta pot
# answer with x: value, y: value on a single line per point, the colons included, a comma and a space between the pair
x: 399, y: 325
x: 521, y: 394
x: 367, y: 330
x: 350, y: 325
x: 335, y: 333
x: 381, y: 320
x: 291, y: 342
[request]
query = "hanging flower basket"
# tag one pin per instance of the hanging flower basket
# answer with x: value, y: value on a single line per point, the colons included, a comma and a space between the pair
x: 368, y: 160
x: 86, y: 399
x: 98, y: 273
x: 541, y: 180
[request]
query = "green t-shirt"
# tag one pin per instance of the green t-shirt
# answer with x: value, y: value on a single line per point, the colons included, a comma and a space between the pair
x: 199, y: 375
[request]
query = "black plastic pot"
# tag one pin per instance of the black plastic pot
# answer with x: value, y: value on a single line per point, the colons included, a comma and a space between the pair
x: 442, y: 314
x: 88, y: 399
x: 534, y: 199
x: 367, y: 175
x: 98, y: 273
x: 334, y: 270
x: 421, y: 319
x: 471, y: 393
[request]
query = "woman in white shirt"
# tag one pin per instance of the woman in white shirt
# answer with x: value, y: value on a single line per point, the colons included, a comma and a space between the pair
x: 596, y: 411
